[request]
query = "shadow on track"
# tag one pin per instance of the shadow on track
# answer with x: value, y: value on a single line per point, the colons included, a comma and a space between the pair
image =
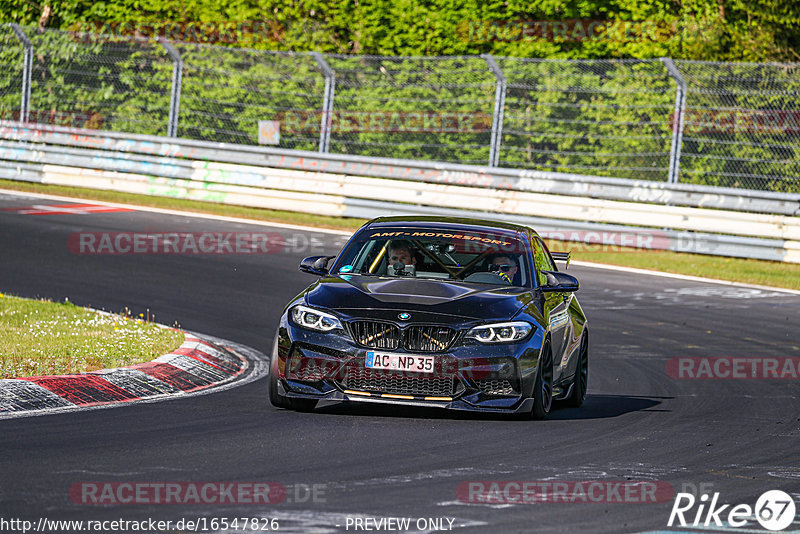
x: 606, y: 406
x: 595, y: 407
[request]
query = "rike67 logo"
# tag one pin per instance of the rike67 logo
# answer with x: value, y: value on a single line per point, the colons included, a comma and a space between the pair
x: 774, y: 510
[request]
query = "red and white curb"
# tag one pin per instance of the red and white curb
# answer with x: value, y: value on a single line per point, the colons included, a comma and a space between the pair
x: 200, y: 364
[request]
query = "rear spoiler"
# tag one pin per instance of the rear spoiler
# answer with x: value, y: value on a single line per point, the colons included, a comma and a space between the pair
x: 561, y: 256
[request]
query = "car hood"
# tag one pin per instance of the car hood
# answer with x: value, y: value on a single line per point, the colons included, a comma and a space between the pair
x: 432, y: 297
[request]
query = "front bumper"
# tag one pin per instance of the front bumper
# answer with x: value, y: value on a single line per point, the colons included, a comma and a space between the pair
x: 337, y: 397
x: 330, y: 367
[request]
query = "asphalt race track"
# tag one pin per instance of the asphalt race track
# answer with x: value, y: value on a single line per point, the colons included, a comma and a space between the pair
x: 737, y: 437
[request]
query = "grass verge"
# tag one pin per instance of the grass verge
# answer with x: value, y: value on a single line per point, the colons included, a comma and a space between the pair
x: 40, y: 337
x: 759, y: 272
x: 765, y: 273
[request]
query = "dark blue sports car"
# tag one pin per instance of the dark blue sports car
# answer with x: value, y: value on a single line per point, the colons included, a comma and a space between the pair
x: 452, y: 313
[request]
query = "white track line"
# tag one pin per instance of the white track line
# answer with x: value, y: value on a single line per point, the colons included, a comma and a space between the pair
x: 344, y: 232
x: 180, y: 213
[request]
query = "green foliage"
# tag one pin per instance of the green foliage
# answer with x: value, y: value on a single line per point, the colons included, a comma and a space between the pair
x: 600, y: 113
x: 742, y: 125
x: 416, y: 108
x: 11, y: 58
x: 607, y: 118
x: 714, y: 30
x: 226, y: 92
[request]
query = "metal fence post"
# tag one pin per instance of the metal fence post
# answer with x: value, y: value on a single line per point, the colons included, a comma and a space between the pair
x: 327, y: 102
x: 677, y: 120
x: 175, y: 95
x: 499, y: 108
x: 27, y: 73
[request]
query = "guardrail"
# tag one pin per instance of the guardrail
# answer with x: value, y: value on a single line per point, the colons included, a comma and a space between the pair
x: 680, y: 217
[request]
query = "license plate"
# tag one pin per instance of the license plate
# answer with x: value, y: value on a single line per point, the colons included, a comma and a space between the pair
x: 400, y: 362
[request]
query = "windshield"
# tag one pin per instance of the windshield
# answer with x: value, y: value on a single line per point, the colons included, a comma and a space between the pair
x: 497, y: 258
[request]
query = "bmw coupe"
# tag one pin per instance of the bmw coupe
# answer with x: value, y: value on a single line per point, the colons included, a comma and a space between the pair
x: 463, y: 314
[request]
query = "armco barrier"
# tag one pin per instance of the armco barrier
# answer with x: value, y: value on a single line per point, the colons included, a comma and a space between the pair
x: 134, y: 147
x: 688, y: 218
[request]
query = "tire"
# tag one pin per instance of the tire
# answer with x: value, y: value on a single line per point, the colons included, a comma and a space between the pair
x: 277, y: 400
x: 543, y: 387
x: 579, y: 385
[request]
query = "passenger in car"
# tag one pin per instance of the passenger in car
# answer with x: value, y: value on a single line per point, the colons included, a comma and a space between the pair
x: 401, y: 251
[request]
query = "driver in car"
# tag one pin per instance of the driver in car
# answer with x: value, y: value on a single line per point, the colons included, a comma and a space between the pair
x: 503, y: 265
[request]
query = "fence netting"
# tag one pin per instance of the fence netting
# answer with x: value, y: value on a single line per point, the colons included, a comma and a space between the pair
x: 226, y: 92
x: 742, y: 125
x: 413, y: 108
x: 12, y: 57
x: 615, y: 118
x: 99, y: 81
x: 606, y: 118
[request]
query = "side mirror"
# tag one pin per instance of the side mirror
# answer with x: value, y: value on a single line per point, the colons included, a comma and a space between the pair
x: 558, y: 281
x: 315, y: 265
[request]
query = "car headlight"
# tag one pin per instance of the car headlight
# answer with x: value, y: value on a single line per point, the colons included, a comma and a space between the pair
x: 315, y: 319
x: 501, y: 332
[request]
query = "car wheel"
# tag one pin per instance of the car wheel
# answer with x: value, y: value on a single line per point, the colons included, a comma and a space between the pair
x: 581, y: 381
x: 543, y: 388
x: 277, y: 400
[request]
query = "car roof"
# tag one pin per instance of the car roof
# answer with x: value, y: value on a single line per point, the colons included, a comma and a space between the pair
x: 432, y: 221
